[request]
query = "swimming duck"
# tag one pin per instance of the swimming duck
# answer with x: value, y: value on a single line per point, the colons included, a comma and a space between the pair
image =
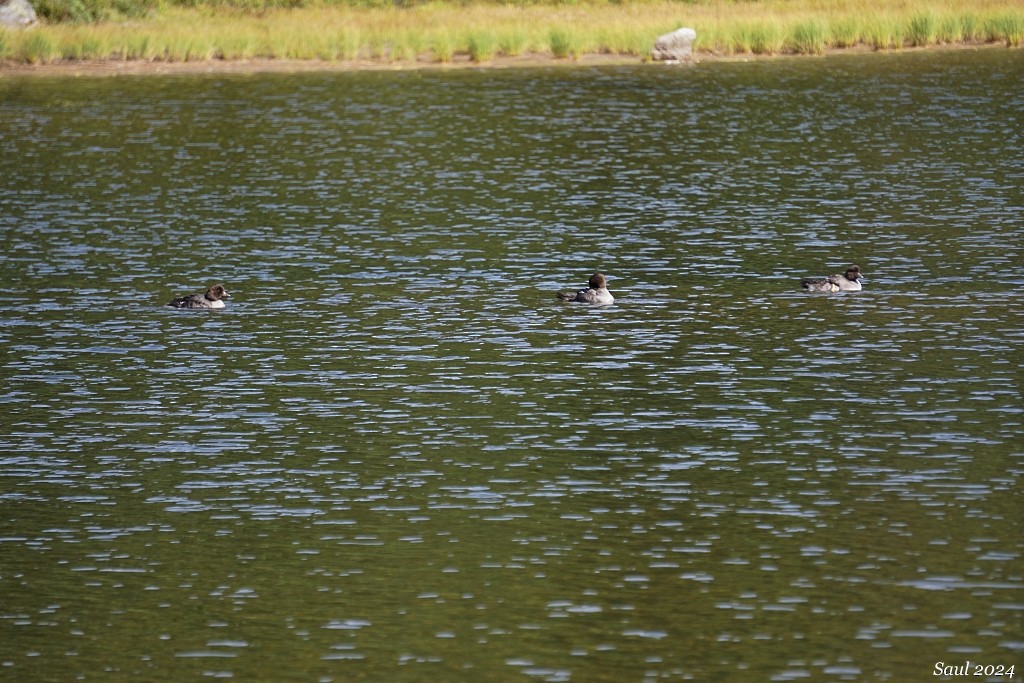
x: 847, y: 282
x: 213, y: 298
x: 597, y: 294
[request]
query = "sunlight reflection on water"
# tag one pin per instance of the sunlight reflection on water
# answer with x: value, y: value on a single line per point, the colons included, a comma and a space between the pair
x: 395, y: 448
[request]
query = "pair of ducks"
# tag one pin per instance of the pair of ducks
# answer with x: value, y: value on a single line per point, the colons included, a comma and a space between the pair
x: 596, y: 293
x: 214, y: 296
x: 847, y: 282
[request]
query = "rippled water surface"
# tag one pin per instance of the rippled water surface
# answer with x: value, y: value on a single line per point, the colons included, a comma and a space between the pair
x: 395, y: 456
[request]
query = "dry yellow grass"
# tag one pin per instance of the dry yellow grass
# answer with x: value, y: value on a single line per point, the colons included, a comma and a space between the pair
x: 440, y: 32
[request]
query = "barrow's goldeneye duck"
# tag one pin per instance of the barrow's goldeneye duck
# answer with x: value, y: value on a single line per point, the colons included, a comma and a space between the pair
x: 597, y: 293
x: 847, y: 282
x: 213, y: 298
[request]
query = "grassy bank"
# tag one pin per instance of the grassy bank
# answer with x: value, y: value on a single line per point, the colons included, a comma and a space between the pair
x: 481, y: 31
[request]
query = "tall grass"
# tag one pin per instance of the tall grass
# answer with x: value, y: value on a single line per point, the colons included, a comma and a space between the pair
x: 481, y: 30
x: 513, y: 42
x: 950, y: 30
x: 809, y: 37
x: 565, y: 43
x: 767, y: 39
x: 442, y: 48
x: 811, y: 28
x: 845, y: 32
x: 635, y: 42
x: 972, y: 28
x: 39, y: 48
x: 481, y: 47
x: 923, y: 30
x: 1007, y: 27
x: 883, y: 32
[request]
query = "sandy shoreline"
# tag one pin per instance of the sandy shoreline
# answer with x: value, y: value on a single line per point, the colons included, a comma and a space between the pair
x: 116, y: 67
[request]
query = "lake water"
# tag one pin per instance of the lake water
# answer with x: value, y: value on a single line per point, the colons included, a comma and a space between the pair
x: 395, y: 456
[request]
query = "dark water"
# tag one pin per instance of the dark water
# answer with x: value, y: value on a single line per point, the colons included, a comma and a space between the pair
x: 396, y: 457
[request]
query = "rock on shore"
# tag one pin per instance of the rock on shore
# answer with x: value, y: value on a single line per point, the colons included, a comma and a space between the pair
x: 674, y: 47
x: 17, y: 14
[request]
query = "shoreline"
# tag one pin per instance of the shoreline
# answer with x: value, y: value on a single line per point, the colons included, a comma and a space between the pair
x: 141, y: 67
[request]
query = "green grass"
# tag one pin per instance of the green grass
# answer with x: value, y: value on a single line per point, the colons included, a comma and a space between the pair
x: 624, y: 39
x: 1008, y: 28
x: 481, y: 47
x: 408, y: 31
x: 513, y: 42
x: 88, y: 48
x: 845, y: 32
x: 923, y: 30
x: 564, y: 43
x: 86, y: 11
x: 884, y: 32
x: 767, y: 39
x: 809, y: 38
x: 950, y: 30
x: 39, y: 48
x: 412, y: 45
x: 442, y: 48
x: 376, y: 47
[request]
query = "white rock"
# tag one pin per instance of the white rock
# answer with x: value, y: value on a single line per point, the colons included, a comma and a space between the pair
x: 17, y: 14
x: 675, y: 47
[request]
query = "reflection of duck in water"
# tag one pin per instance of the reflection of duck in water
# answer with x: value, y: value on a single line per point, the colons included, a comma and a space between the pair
x: 597, y: 294
x: 213, y: 298
x: 847, y: 282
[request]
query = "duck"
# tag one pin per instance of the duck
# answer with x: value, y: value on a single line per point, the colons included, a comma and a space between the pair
x: 212, y: 298
x: 597, y: 293
x: 845, y: 282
